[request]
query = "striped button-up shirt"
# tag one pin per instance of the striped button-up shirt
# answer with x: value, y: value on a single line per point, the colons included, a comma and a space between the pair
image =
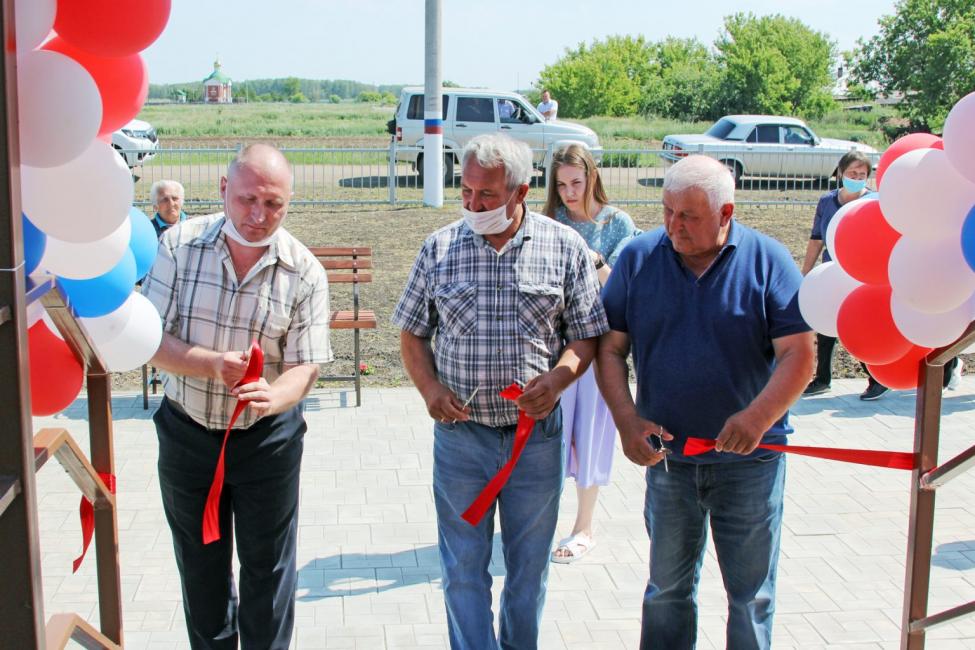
x: 500, y: 316
x: 282, y: 302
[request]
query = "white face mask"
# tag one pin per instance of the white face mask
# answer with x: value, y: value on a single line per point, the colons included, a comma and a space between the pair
x: 489, y: 222
x: 231, y: 231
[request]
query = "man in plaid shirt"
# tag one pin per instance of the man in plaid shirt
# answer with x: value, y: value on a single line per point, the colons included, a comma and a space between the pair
x: 503, y: 295
x: 220, y: 282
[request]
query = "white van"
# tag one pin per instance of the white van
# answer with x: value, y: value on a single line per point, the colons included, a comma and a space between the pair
x: 471, y: 112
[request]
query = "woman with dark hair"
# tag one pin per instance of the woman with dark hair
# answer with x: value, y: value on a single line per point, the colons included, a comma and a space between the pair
x: 577, y: 199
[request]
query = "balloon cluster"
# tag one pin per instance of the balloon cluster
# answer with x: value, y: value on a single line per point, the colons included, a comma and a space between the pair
x: 79, y: 78
x: 903, y: 279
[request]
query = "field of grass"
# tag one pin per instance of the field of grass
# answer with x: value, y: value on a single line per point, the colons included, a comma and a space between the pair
x: 333, y: 124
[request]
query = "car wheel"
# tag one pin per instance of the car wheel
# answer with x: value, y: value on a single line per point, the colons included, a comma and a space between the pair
x: 736, y: 170
x: 448, y: 168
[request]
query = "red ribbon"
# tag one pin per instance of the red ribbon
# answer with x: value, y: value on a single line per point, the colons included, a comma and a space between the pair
x: 87, y: 512
x: 211, y: 512
x: 476, y: 511
x: 891, y: 459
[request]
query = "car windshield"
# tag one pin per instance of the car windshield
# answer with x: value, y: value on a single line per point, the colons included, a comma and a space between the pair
x: 721, y: 129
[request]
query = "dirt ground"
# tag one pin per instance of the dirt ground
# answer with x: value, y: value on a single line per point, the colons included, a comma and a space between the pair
x: 395, y: 235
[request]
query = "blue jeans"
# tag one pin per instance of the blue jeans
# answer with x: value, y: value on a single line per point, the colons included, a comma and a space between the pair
x: 744, y: 503
x: 466, y: 456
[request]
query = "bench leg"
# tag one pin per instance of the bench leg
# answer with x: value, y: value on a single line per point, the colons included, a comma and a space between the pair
x: 145, y: 387
x: 358, y: 373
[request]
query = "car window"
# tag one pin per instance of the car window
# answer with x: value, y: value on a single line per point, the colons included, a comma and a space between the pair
x: 797, y: 135
x: 415, y: 110
x: 510, y: 112
x: 475, y: 109
x: 764, y: 134
x: 721, y: 129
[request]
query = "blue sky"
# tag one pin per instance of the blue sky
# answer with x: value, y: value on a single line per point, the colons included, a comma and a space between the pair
x: 495, y: 43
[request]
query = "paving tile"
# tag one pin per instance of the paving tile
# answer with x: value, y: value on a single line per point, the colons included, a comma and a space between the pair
x: 369, y: 571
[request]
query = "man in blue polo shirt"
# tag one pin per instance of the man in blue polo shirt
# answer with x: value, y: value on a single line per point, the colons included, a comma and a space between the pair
x: 167, y: 203
x: 710, y: 309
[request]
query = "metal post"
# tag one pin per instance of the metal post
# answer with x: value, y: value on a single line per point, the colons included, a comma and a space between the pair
x: 391, y: 173
x: 21, y: 598
x: 432, y: 112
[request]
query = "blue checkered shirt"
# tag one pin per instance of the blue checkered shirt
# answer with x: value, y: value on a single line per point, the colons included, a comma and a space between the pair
x: 500, y: 316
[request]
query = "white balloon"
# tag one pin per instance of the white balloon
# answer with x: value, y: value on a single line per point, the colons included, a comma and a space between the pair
x: 931, y: 330
x: 924, y: 197
x: 829, y: 239
x: 138, y: 340
x: 930, y: 276
x: 34, y: 20
x: 102, y: 329
x: 82, y: 201
x: 35, y: 311
x: 88, y: 259
x: 60, y: 108
x: 821, y: 293
x: 959, y: 136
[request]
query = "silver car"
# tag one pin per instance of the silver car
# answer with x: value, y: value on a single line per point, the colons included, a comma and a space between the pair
x: 768, y: 146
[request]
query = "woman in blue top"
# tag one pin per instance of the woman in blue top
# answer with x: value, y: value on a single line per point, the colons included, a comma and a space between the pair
x: 852, y: 172
x: 577, y: 199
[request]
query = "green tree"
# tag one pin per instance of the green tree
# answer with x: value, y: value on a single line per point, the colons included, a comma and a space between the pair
x: 335, y: 99
x: 369, y: 97
x: 684, y: 82
x: 605, y: 78
x: 774, y: 64
x: 291, y: 86
x: 925, y: 52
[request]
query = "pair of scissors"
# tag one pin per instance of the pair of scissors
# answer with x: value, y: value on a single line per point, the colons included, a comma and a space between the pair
x: 469, y: 400
x: 659, y: 446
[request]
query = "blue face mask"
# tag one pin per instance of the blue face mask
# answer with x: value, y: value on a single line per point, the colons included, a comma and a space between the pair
x: 853, y: 186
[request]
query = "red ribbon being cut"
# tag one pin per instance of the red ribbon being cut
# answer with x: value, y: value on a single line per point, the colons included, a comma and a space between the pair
x: 476, y: 511
x: 87, y: 511
x: 891, y: 459
x: 211, y: 512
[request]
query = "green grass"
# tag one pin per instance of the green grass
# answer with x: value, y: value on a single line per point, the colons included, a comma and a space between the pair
x: 369, y: 121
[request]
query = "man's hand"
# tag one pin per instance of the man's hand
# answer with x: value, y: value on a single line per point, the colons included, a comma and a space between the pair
x: 634, y: 436
x: 260, y: 397
x: 741, y: 434
x: 229, y: 367
x: 444, y: 406
x: 540, y: 396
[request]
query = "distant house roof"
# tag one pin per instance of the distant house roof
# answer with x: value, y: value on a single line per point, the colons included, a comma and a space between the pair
x: 217, y: 75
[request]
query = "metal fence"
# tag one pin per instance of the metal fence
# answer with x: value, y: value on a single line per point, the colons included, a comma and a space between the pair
x: 385, y: 175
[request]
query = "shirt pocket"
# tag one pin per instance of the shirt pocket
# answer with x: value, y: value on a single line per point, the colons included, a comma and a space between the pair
x: 539, y: 306
x: 457, y: 308
x: 273, y: 335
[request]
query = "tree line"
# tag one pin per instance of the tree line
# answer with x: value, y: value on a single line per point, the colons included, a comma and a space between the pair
x: 924, y: 55
x: 288, y: 89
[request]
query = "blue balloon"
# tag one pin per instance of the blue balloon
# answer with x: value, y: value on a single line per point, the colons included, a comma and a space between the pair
x: 102, y: 294
x: 35, y: 241
x: 968, y: 238
x: 142, y: 243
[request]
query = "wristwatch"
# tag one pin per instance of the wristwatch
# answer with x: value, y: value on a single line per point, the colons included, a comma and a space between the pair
x: 600, y: 262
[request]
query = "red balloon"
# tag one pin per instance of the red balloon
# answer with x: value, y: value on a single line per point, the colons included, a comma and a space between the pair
x: 111, y: 27
x: 866, y: 326
x: 122, y: 81
x: 863, y: 243
x: 904, y: 372
x: 901, y: 146
x: 56, y: 374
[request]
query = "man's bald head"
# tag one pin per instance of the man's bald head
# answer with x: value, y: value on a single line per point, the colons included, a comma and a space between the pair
x: 262, y: 159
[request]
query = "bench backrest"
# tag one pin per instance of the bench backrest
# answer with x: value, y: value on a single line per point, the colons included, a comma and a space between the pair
x: 345, y: 265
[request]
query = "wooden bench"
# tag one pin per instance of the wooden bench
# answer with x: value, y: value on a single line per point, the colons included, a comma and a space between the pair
x: 350, y: 265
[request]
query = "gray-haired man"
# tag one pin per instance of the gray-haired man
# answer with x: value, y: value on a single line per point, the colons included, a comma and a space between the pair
x: 500, y: 296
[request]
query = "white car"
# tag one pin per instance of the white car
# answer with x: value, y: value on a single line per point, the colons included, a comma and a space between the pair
x: 764, y: 145
x: 470, y: 112
x: 136, y: 142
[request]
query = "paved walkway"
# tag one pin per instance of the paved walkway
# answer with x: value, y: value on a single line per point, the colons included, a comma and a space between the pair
x: 370, y: 578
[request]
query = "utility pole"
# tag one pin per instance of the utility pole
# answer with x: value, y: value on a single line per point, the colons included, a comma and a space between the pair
x: 432, y: 112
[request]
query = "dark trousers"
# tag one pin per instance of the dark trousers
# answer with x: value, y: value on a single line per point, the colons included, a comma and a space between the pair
x: 824, y: 362
x: 258, y: 507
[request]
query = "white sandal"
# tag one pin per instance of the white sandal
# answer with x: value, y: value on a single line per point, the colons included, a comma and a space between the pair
x: 577, y: 545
